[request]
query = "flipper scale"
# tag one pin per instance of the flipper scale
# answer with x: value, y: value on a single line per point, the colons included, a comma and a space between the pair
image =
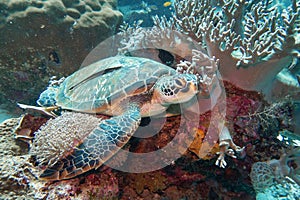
x: 100, y: 145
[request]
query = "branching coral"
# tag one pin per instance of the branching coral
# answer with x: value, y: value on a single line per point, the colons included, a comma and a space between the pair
x: 253, y: 42
x: 162, y: 36
x: 189, y: 56
x: 269, y: 117
x: 256, y: 31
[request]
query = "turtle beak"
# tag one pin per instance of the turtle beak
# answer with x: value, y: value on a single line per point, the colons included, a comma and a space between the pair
x: 195, y: 85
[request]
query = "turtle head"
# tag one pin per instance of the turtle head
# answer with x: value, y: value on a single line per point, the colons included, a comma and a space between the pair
x: 177, y: 88
x: 47, y: 98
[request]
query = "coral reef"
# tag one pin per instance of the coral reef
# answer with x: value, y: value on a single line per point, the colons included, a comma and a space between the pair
x: 8, y: 144
x: 16, y: 173
x: 139, y: 182
x: 187, y: 177
x: 92, y: 187
x: 288, y: 165
x: 188, y: 56
x: 18, y: 178
x: 285, y: 190
x: 41, y: 39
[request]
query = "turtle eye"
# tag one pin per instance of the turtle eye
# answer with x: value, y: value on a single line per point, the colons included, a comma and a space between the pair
x: 167, y: 91
x: 180, y: 83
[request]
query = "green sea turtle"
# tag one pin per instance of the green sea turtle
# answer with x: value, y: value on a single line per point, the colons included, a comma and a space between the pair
x: 126, y: 88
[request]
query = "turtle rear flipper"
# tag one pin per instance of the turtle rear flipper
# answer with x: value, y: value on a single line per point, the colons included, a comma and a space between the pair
x: 100, y: 145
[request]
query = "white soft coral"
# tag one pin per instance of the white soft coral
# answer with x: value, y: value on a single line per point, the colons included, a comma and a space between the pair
x: 225, y: 141
x: 288, y: 165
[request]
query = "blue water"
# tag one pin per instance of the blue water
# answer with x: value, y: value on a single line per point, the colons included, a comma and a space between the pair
x: 5, y: 114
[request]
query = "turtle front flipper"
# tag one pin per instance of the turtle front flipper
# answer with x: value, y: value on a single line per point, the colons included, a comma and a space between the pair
x: 100, y: 145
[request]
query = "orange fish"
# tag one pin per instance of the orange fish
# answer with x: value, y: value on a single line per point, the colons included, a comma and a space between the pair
x: 167, y: 4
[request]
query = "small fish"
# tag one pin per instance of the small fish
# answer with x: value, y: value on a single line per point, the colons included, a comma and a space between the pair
x: 139, y: 22
x: 298, y: 78
x: 167, y: 4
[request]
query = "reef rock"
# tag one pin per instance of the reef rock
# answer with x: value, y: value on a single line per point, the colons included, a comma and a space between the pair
x: 8, y: 144
x: 17, y: 174
x: 41, y: 39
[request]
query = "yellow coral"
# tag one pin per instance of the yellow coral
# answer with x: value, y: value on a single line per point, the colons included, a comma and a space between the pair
x: 207, y: 150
